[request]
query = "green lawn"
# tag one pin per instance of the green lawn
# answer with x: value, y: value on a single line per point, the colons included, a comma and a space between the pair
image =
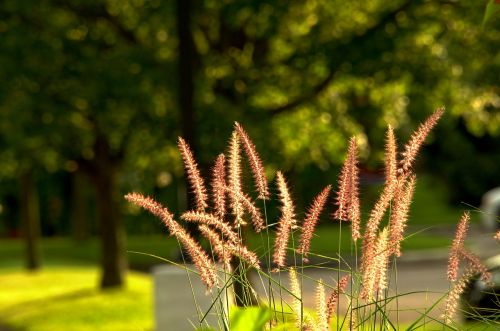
x: 326, y: 241
x: 67, y: 298
x: 429, y: 206
x: 64, y: 251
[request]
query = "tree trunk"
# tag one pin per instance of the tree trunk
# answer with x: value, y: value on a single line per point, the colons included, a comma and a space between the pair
x: 113, y: 257
x: 186, y: 61
x: 78, y: 212
x: 186, y: 93
x: 104, y: 170
x: 243, y: 297
x: 30, y: 220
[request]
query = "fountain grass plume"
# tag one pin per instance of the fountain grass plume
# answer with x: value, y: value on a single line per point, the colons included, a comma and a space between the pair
x: 333, y: 298
x: 193, y: 175
x: 310, y: 221
x: 399, y: 216
x: 286, y: 222
x: 255, y: 162
x: 219, y: 186
x: 456, y: 246
x: 234, y: 182
x: 212, y: 220
x: 200, y: 258
x: 416, y: 140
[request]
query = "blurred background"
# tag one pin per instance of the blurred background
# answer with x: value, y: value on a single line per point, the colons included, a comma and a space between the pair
x: 93, y: 95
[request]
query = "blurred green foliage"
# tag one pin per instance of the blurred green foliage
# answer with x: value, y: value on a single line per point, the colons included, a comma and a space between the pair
x: 301, y: 77
x: 492, y: 8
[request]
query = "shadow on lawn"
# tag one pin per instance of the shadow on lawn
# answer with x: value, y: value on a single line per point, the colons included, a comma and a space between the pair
x: 4, y: 327
x: 26, y: 306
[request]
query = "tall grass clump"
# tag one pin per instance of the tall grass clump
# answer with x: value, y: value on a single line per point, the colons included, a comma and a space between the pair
x: 363, y: 281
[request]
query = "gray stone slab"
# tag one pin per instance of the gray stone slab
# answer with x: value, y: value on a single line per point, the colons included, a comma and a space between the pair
x: 180, y: 302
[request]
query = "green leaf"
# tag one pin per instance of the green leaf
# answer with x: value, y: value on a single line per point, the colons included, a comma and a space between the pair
x: 249, y: 318
x: 491, y: 8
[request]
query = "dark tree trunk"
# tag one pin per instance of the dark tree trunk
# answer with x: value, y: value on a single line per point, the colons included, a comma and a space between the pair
x: 30, y: 220
x: 112, y: 232
x: 78, y: 211
x: 186, y: 62
x: 105, y: 174
x: 243, y: 297
x: 186, y: 93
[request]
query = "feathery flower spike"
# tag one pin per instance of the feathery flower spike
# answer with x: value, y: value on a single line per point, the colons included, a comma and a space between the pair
x: 213, y: 220
x: 193, y: 175
x: 374, y: 276
x: 454, y: 296
x: 399, y: 216
x: 341, y: 200
x: 244, y: 253
x: 343, y: 193
x: 382, y: 266
x: 226, y: 249
x: 474, y: 262
x: 248, y: 205
x: 296, y: 296
x: 286, y: 222
x: 255, y: 162
x: 354, y: 205
x: 458, y: 242
x: 347, y: 195
x: 235, y: 179
x: 197, y: 254
x: 257, y: 220
x: 311, y: 220
x: 217, y: 245
x: 381, y: 262
x: 219, y: 186
x: 334, y: 297
x: 391, y: 162
x: 380, y: 207
x: 417, y: 139
x: 321, y: 307
x: 352, y: 316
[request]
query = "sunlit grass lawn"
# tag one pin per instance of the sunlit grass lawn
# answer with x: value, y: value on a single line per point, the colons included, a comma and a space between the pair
x: 68, y: 298
x: 65, y: 251
x: 327, y: 241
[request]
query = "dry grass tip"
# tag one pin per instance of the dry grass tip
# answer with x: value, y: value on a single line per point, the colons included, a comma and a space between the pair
x: 416, y: 140
x: 193, y: 175
x: 333, y: 299
x: 219, y: 186
x: 286, y: 223
x: 457, y: 245
x: 197, y: 254
x: 310, y: 221
x: 235, y: 187
x: 255, y: 162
